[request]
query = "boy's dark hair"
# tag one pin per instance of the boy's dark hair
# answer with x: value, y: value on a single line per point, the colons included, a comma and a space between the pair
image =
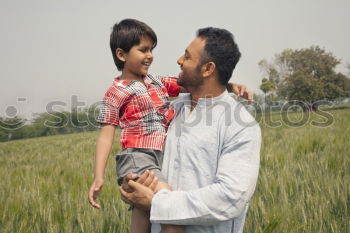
x: 221, y: 49
x: 128, y: 33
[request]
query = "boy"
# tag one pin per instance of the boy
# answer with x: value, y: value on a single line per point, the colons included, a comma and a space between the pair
x: 138, y: 102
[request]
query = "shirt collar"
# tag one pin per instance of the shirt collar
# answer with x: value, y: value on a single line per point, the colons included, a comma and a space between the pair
x: 210, y: 100
x: 124, y: 83
x: 147, y: 80
x: 185, y: 100
x: 121, y: 82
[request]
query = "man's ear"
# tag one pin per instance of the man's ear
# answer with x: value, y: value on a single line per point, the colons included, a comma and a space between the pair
x: 120, y: 54
x: 208, y: 69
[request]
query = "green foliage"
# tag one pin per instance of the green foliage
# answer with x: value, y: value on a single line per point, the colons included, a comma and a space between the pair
x: 46, y: 124
x: 313, y: 61
x: 9, y: 128
x: 299, y: 86
x: 305, y: 75
x: 267, y: 86
x: 336, y: 86
x: 303, y: 186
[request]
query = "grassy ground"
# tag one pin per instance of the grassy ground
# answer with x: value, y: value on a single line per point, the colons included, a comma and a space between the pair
x: 304, y: 182
x: 303, y: 185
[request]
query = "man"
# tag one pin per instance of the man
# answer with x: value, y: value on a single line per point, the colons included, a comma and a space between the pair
x: 212, y: 149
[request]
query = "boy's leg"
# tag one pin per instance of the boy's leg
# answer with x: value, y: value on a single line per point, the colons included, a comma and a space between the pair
x: 172, y: 229
x: 165, y: 227
x: 140, y: 221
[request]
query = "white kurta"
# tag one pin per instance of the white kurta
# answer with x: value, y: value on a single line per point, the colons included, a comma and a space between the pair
x: 212, y: 162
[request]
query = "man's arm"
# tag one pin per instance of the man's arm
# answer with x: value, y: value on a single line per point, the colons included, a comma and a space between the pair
x: 225, y: 199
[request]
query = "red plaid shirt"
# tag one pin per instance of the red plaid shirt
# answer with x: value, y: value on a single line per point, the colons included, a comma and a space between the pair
x: 142, y: 111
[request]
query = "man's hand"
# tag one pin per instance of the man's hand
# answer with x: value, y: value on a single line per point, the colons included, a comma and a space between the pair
x: 95, y: 190
x: 147, y: 179
x: 240, y: 91
x: 141, y: 197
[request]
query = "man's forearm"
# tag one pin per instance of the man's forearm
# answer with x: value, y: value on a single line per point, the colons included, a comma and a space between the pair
x: 207, y: 206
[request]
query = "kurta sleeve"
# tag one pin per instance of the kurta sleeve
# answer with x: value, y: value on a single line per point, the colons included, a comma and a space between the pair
x: 227, y: 197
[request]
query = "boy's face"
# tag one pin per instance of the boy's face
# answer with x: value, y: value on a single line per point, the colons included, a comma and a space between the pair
x: 139, y: 58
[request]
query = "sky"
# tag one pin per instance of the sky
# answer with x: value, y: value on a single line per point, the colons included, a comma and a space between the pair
x: 55, y: 53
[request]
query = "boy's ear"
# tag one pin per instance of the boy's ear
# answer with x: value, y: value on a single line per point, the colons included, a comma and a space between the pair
x: 208, y: 69
x: 120, y: 54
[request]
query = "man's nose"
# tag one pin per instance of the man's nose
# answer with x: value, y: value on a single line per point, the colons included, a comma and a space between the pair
x: 180, y: 60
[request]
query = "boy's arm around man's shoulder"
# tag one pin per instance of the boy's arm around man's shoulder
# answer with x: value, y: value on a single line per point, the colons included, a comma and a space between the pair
x: 241, y: 91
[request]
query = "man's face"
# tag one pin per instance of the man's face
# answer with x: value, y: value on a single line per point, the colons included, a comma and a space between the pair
x: 189, y: 64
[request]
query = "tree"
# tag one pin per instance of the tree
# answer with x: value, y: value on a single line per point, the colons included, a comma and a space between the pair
x: 302, y: 87
x: 10, y: 127
x: 306, y: 75
x: 267, y: 86
x: 314, y: 61
x: 336, y: 86
x: 272, y: 71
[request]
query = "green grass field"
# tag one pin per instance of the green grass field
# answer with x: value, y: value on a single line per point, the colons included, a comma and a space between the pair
x: 304, y: 182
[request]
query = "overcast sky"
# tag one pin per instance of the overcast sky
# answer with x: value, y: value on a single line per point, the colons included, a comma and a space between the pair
x: 52, y: 50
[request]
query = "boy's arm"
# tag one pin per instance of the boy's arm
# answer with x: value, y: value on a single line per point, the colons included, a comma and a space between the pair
x: 237, y: 89
x: 183, y: 90
x: 170, y: 83
x: 103, y: 148
x: 240, y: 90
x: 174, y: 89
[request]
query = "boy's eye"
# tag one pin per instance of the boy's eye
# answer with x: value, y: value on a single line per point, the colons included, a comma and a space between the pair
x: 145, y: 50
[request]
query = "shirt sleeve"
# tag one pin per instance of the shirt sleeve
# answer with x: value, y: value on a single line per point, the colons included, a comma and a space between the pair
x: 113, y: 100
x: 228, y: 196
x: 171, y: 85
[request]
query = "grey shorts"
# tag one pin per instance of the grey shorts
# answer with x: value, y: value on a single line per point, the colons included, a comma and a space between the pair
x: 138, y: 160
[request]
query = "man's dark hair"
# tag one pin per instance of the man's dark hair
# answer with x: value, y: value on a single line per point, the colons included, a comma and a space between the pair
x: 128, y: 33
x: 221, y: 49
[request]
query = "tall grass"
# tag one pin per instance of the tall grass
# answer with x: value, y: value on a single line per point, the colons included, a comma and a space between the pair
x: 44, y: 185
x: 304, y: 182
x: 303, y: 185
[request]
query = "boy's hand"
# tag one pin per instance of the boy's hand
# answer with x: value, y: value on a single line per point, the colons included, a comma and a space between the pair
x: 95, y: 189
x: 241, y: 91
